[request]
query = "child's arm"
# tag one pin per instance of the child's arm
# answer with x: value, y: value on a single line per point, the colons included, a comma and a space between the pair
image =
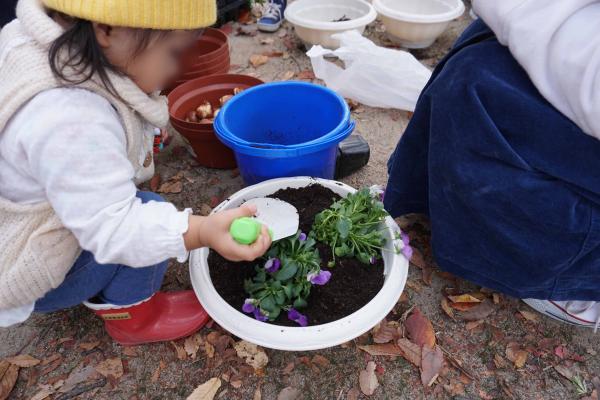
x: 74, y: 145
x: 213, y: 232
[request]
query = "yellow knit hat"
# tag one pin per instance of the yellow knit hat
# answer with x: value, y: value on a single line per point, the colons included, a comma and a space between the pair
x: 154, y: 14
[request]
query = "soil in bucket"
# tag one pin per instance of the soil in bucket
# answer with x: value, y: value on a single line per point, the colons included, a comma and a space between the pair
x: 352, y: 284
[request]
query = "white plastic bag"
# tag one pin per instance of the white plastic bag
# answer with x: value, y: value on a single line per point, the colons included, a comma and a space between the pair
x: 374, y: 76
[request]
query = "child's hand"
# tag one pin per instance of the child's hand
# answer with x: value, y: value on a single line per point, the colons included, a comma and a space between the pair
x: 213, y: 232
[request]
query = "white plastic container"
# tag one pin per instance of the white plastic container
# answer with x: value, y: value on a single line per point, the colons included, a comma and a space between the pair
x: 299, y: 338
x: 416, y: 24
x: 313, y: 19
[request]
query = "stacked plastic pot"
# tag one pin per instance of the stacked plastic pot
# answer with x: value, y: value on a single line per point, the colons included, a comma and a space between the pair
x: 209, y: 56
x: 284, y: 129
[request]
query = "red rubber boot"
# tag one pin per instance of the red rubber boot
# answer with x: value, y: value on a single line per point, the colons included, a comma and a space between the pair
x: 163, y: 317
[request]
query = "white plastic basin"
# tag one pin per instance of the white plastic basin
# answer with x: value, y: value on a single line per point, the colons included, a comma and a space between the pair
x: 416, y: 24
x: 313, y: 19
x: 299, y: 338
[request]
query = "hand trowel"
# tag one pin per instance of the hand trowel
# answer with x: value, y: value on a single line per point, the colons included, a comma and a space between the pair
x: 280, y: 217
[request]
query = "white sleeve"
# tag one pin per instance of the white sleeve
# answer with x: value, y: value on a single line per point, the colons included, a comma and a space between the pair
x: 558, y: 44
x: 75, y: 148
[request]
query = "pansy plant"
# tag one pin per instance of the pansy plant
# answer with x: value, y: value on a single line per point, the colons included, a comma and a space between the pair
x: 283, y: 282
x: 352, y: 227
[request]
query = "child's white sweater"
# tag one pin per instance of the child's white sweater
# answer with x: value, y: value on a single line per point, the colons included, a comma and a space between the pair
x: 67, y: 146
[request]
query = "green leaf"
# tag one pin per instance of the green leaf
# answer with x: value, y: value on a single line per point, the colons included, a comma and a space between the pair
x: 288, y: 271
x: 300, y: 303
x: 340, y: 252
x: 343, y: 226
x: 287, y: 289
x: 268, y: 303
x: 280, y: 298
x: 275, y: 313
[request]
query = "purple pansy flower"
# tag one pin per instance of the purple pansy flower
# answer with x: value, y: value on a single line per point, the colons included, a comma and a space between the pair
x: 295, y: 316
x: 373, y: 260
x: 249, y: 306
x: 320, y: 278
x: 272, y: 265
x: 258, y: 314
x: 302, y: 237
x: 407, y: 251
x: 405, y: 238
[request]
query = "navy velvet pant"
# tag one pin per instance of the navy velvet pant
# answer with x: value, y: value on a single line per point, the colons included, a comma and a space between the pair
x: 511, y: 186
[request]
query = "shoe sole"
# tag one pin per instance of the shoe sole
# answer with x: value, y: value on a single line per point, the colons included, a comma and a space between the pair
x: 560, y: 315
x: 269, y: 28
x: 168, y: 339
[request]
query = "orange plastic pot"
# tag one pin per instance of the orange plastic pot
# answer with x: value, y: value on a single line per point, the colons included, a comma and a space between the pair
x: 209, y: 150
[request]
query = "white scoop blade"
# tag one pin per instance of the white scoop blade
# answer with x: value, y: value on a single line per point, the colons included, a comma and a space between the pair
x: 281, y: 217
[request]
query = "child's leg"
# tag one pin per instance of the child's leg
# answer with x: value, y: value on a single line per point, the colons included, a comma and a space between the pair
x: 111, y: 283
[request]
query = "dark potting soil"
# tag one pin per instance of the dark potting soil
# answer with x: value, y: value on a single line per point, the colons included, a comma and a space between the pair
x: 352, y: 284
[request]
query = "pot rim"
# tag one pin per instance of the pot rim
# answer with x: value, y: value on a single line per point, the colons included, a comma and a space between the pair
x: 355, y: 23
x: 298, y: 338
x: 452, y: 13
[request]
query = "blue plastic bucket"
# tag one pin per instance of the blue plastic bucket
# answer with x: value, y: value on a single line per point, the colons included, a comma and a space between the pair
x: 284, y: 114
x: 284, y: 129
x: 260, y: 164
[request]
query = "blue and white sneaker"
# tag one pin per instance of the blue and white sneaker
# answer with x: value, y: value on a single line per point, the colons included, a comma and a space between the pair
x: 272, y: 15
x: 580, y: 313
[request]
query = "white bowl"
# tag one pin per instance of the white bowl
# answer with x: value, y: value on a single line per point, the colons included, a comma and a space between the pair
x: 416, y: 24
x: 299, y: 338
x: 313, y: 19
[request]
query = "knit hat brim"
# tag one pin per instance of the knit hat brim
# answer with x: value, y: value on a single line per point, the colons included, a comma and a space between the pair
x: 151, y: 14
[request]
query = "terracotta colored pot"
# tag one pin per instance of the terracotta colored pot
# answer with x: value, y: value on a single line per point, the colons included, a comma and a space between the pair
x: 203, y: 63
x: 209, y: 70
x: 201, y: 137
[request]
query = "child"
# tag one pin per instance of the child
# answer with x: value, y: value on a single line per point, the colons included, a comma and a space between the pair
x: 77, y: 84
x: 503, y: 153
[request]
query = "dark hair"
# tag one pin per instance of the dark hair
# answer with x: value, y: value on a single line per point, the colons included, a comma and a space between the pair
x: 83, y: 53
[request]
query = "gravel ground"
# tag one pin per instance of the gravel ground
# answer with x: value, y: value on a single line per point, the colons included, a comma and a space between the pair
x: 70, y: 340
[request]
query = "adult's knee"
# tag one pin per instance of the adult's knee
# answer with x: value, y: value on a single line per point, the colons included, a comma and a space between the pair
x: 147, y: 197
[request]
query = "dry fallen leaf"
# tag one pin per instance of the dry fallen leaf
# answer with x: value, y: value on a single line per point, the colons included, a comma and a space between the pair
x: 529, y: 316
x: 111, y: 367
x: 288, y: 75
x: 499, y: 361
x: 321, y: 361
x: 446, y: 308
x: 420, y: 330
x: 155, y: 182
x: 385, y: 332
x: 44, y: 393
x: 89, y: 345
x: 410, y: 351
x: 515, y: 354
x: 384, y: 349
x: 432, y: 361
x: 368, y: 380
x: 171, y: 186
x: 130, y: 351
x: 258, y: 59
x: 179, y: 351
x: 8, y: 377
x: 417, y: 259
x: 209, y: 349
x: 308, y: 75
x: 564, y: 371
x: 23, y: 361
x: 257, y: 394
x: 78, y: 375
x: 474, y: 324
x: 481, y: 311
x: 206, y: 391
x: 252, y: 354
x: 289, y: 393
x: 192, y: 345
x: 157, y: 371
x: 464, y: 298
x: 267, y: 41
